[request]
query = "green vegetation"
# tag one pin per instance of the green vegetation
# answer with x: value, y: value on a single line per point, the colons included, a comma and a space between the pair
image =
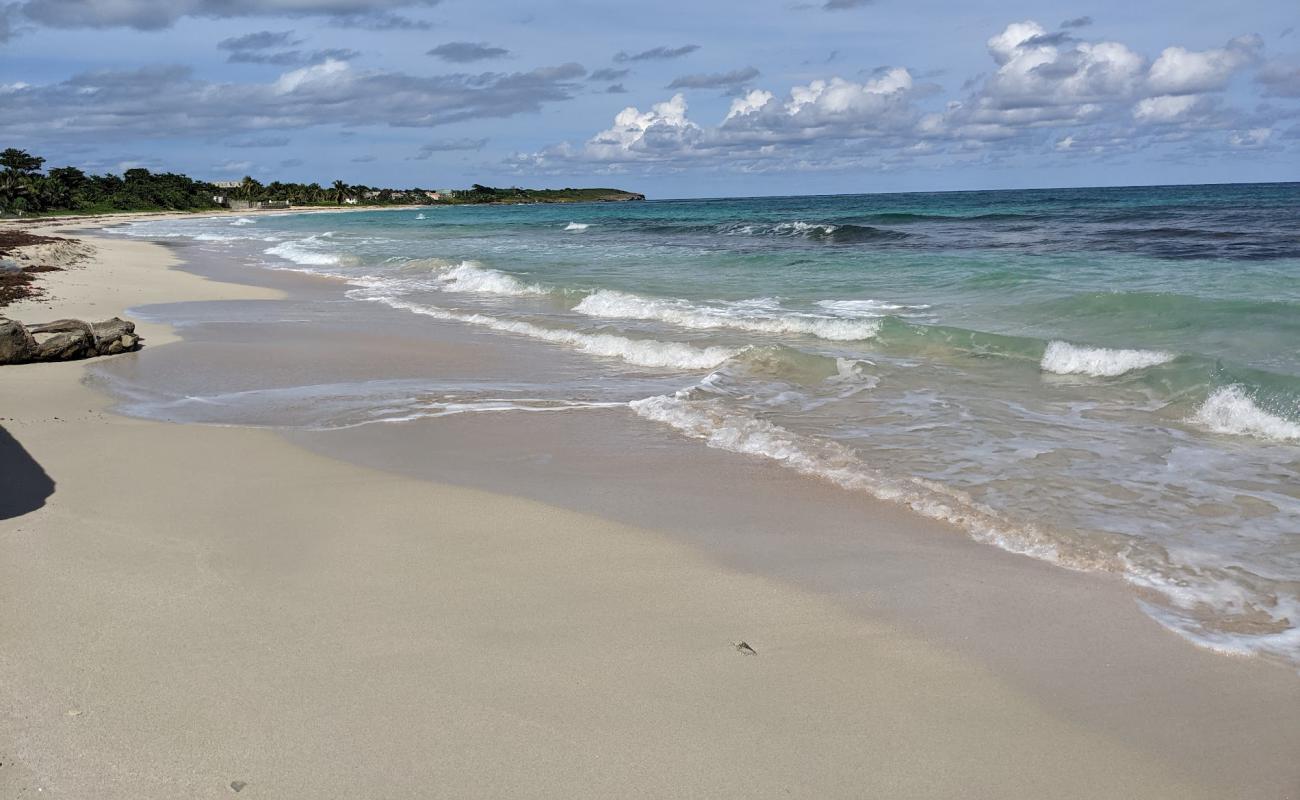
x: 479, y: 193
x: 26, y: 190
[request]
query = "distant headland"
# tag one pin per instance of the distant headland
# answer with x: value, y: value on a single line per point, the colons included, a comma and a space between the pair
x: 27, y: 189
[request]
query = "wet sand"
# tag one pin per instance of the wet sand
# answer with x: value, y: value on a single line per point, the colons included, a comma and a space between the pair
x: 537, y: 605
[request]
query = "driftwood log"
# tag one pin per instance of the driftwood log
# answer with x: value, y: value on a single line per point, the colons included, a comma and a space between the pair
x: 65, y: 340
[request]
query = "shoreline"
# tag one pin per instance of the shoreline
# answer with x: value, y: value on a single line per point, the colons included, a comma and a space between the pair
x: 643, y: 611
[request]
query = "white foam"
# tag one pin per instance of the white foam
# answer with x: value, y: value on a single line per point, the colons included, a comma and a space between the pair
x: 577, y: 226
x: 869, y: 308
x: 451, y: 408
x: 753, y: 316
x: 420, y: 215
x: 1063, y: 358
x: 805, y: 227
x: 1230, y: 410
x: 640, y: 352
x: 738, y: 432
x: 781, y: 229
x: 727, y: 429
x: 470, y: 277
x: 244, y: 221
x: 300, y: 252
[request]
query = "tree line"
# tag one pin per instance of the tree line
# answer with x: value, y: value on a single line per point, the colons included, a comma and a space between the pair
x: 27, y: 188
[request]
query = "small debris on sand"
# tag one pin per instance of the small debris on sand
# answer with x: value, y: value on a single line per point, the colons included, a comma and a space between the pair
x: 744, y: 648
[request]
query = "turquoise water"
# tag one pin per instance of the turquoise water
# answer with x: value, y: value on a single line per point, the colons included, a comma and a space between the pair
x: 1108, y: 379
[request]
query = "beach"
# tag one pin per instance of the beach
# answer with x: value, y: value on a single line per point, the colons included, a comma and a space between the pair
x: 494, y: 606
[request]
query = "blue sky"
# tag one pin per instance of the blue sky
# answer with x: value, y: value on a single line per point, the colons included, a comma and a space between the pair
x: 675, y: 99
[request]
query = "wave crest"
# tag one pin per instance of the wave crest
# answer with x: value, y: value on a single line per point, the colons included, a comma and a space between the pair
x: 1232, y: 411
x: 639, y: 352
x: 1063, y: 358
x: 470, y: 277
x: 753, y: 316
x: 303, y: 251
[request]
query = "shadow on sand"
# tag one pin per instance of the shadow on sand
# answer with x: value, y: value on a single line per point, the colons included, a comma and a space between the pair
x: 23, y: 484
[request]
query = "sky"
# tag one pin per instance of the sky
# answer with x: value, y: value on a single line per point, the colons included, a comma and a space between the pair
x: 673, y: 99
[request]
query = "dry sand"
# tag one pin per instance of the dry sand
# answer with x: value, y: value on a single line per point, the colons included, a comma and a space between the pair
x: 194, y: 610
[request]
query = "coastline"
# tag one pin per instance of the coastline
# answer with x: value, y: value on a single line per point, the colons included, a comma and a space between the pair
x: 303, y: 629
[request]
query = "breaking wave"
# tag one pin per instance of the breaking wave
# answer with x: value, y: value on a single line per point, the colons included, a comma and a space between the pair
x: 1231, y: 410
x: 639, y: 352
x: 470, y: 277
x: 1063, y: 358
x: 844, y: 233
x: 577, y: 226
x: 761, y: 316
x: 306, y: 252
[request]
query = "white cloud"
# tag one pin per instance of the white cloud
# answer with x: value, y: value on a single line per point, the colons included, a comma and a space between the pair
x: 1182, y: 71
x: 1165, y: 109
x: 329, y: 73
x: 1006, y: 45
x: 662, y: 131
x: 1049, y: 92
x: 750, y: 103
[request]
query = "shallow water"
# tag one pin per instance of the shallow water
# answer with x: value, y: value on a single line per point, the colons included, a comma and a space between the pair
x: 1105, y: 379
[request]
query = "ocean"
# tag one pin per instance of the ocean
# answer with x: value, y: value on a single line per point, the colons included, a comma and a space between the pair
x: 1105, y: 379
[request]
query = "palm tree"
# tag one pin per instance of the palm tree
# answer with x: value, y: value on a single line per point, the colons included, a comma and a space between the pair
x: 249, y: 188
x: 340, y: 192
x: 14, y: 187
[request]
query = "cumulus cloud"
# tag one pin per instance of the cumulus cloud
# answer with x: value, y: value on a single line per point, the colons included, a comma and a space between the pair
x: 1047, y: 80
x: 1076, y: 22
x: 661, y: 132
x: 1047, y: 91
x: 465, y: 52
x: 657, y: 53
x: 1182, y: 71
x: 835, y: 108
x: 171, y: 101
x: 715, y: 80
x: 153, y: 15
